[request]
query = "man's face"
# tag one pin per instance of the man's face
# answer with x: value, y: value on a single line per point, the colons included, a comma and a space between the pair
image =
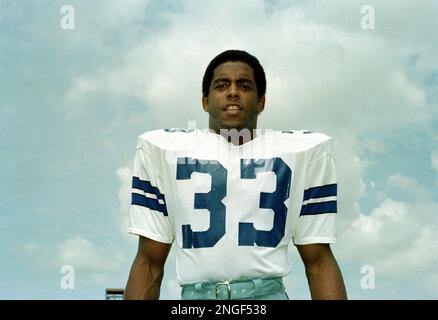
x: 232, y: 101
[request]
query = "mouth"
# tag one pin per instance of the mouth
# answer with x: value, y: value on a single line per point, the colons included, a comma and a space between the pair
x: 232, y: 109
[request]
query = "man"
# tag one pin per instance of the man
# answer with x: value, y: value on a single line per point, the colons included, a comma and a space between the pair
x: 232, y: 200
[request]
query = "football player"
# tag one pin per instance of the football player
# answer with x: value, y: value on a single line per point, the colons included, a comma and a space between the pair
x: 231, y: 199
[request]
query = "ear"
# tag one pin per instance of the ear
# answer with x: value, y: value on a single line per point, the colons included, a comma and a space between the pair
x: 261, y: 104
x: 205, y: 103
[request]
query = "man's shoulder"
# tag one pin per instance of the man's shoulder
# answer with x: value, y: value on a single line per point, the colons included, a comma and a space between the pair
x: 304, y: 134
x: 302, y: 139
x: 164, y: 138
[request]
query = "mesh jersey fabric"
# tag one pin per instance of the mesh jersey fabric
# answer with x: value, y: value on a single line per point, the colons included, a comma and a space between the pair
x: 232, y: 211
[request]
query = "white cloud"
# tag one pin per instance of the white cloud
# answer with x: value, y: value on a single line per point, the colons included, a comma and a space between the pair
x: 319, y: 76
x: 375, y: 145
x: 342, y: 84
x: 100, y: 21
x: 84, y: 255
x: 418, y: 257
x: 122, y: 219
x: 324, y: 73
x: 398, y: 240
x: 434, y: 159
x: 32, y: 249
x: 346, y: 83
x: 97, y: 263
x: 411, y: 186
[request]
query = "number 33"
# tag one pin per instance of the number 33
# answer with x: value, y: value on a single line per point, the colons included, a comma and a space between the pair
x: 212, y: 201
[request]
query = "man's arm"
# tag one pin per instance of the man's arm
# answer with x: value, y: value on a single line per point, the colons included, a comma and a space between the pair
x: 147, y: 270
x: 322, y: 271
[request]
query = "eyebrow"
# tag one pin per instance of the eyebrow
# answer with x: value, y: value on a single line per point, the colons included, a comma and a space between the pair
x: 240, y: 80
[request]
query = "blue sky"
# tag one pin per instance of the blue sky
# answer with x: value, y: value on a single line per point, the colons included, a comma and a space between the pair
x: 72, y: 103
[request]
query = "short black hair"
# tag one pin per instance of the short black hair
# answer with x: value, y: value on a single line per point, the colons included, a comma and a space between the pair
x: 235, y: 55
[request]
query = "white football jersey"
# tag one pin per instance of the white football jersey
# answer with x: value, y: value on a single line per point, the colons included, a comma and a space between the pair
x: 233, y: 210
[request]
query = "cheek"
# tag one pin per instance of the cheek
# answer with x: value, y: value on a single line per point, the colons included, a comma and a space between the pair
x: 251, y: 103
x: 214, y: 104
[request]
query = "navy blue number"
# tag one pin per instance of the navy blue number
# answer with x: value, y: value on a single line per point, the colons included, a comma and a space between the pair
x: 212, y: 201
x: 248, y: 234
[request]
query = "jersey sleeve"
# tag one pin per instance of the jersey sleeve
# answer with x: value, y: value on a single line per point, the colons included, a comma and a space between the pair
x: 148, y: 211
x: 317, y: 219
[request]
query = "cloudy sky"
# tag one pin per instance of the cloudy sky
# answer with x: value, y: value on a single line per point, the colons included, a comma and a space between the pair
x: 75, y: 94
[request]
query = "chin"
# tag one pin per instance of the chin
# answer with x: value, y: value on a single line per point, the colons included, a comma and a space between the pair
x: 237, y: 126
x: 233, y: 123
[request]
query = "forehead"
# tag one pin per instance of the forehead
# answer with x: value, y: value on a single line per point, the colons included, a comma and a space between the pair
x: 233, y: 70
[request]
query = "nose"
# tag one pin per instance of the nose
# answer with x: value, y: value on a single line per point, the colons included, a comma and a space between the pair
x: 233, y: 90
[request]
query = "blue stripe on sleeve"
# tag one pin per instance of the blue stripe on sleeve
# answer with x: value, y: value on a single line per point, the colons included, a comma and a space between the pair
x: 328, y: 190
x: 146, y: 187
x: 153, y: 204
x: 319, y: 208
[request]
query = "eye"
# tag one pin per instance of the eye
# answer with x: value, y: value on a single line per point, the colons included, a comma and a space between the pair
x: 246, y: 86
x: 220, y: 85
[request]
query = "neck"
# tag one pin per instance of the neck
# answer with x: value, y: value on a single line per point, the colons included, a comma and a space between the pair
x: 236, y: 136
